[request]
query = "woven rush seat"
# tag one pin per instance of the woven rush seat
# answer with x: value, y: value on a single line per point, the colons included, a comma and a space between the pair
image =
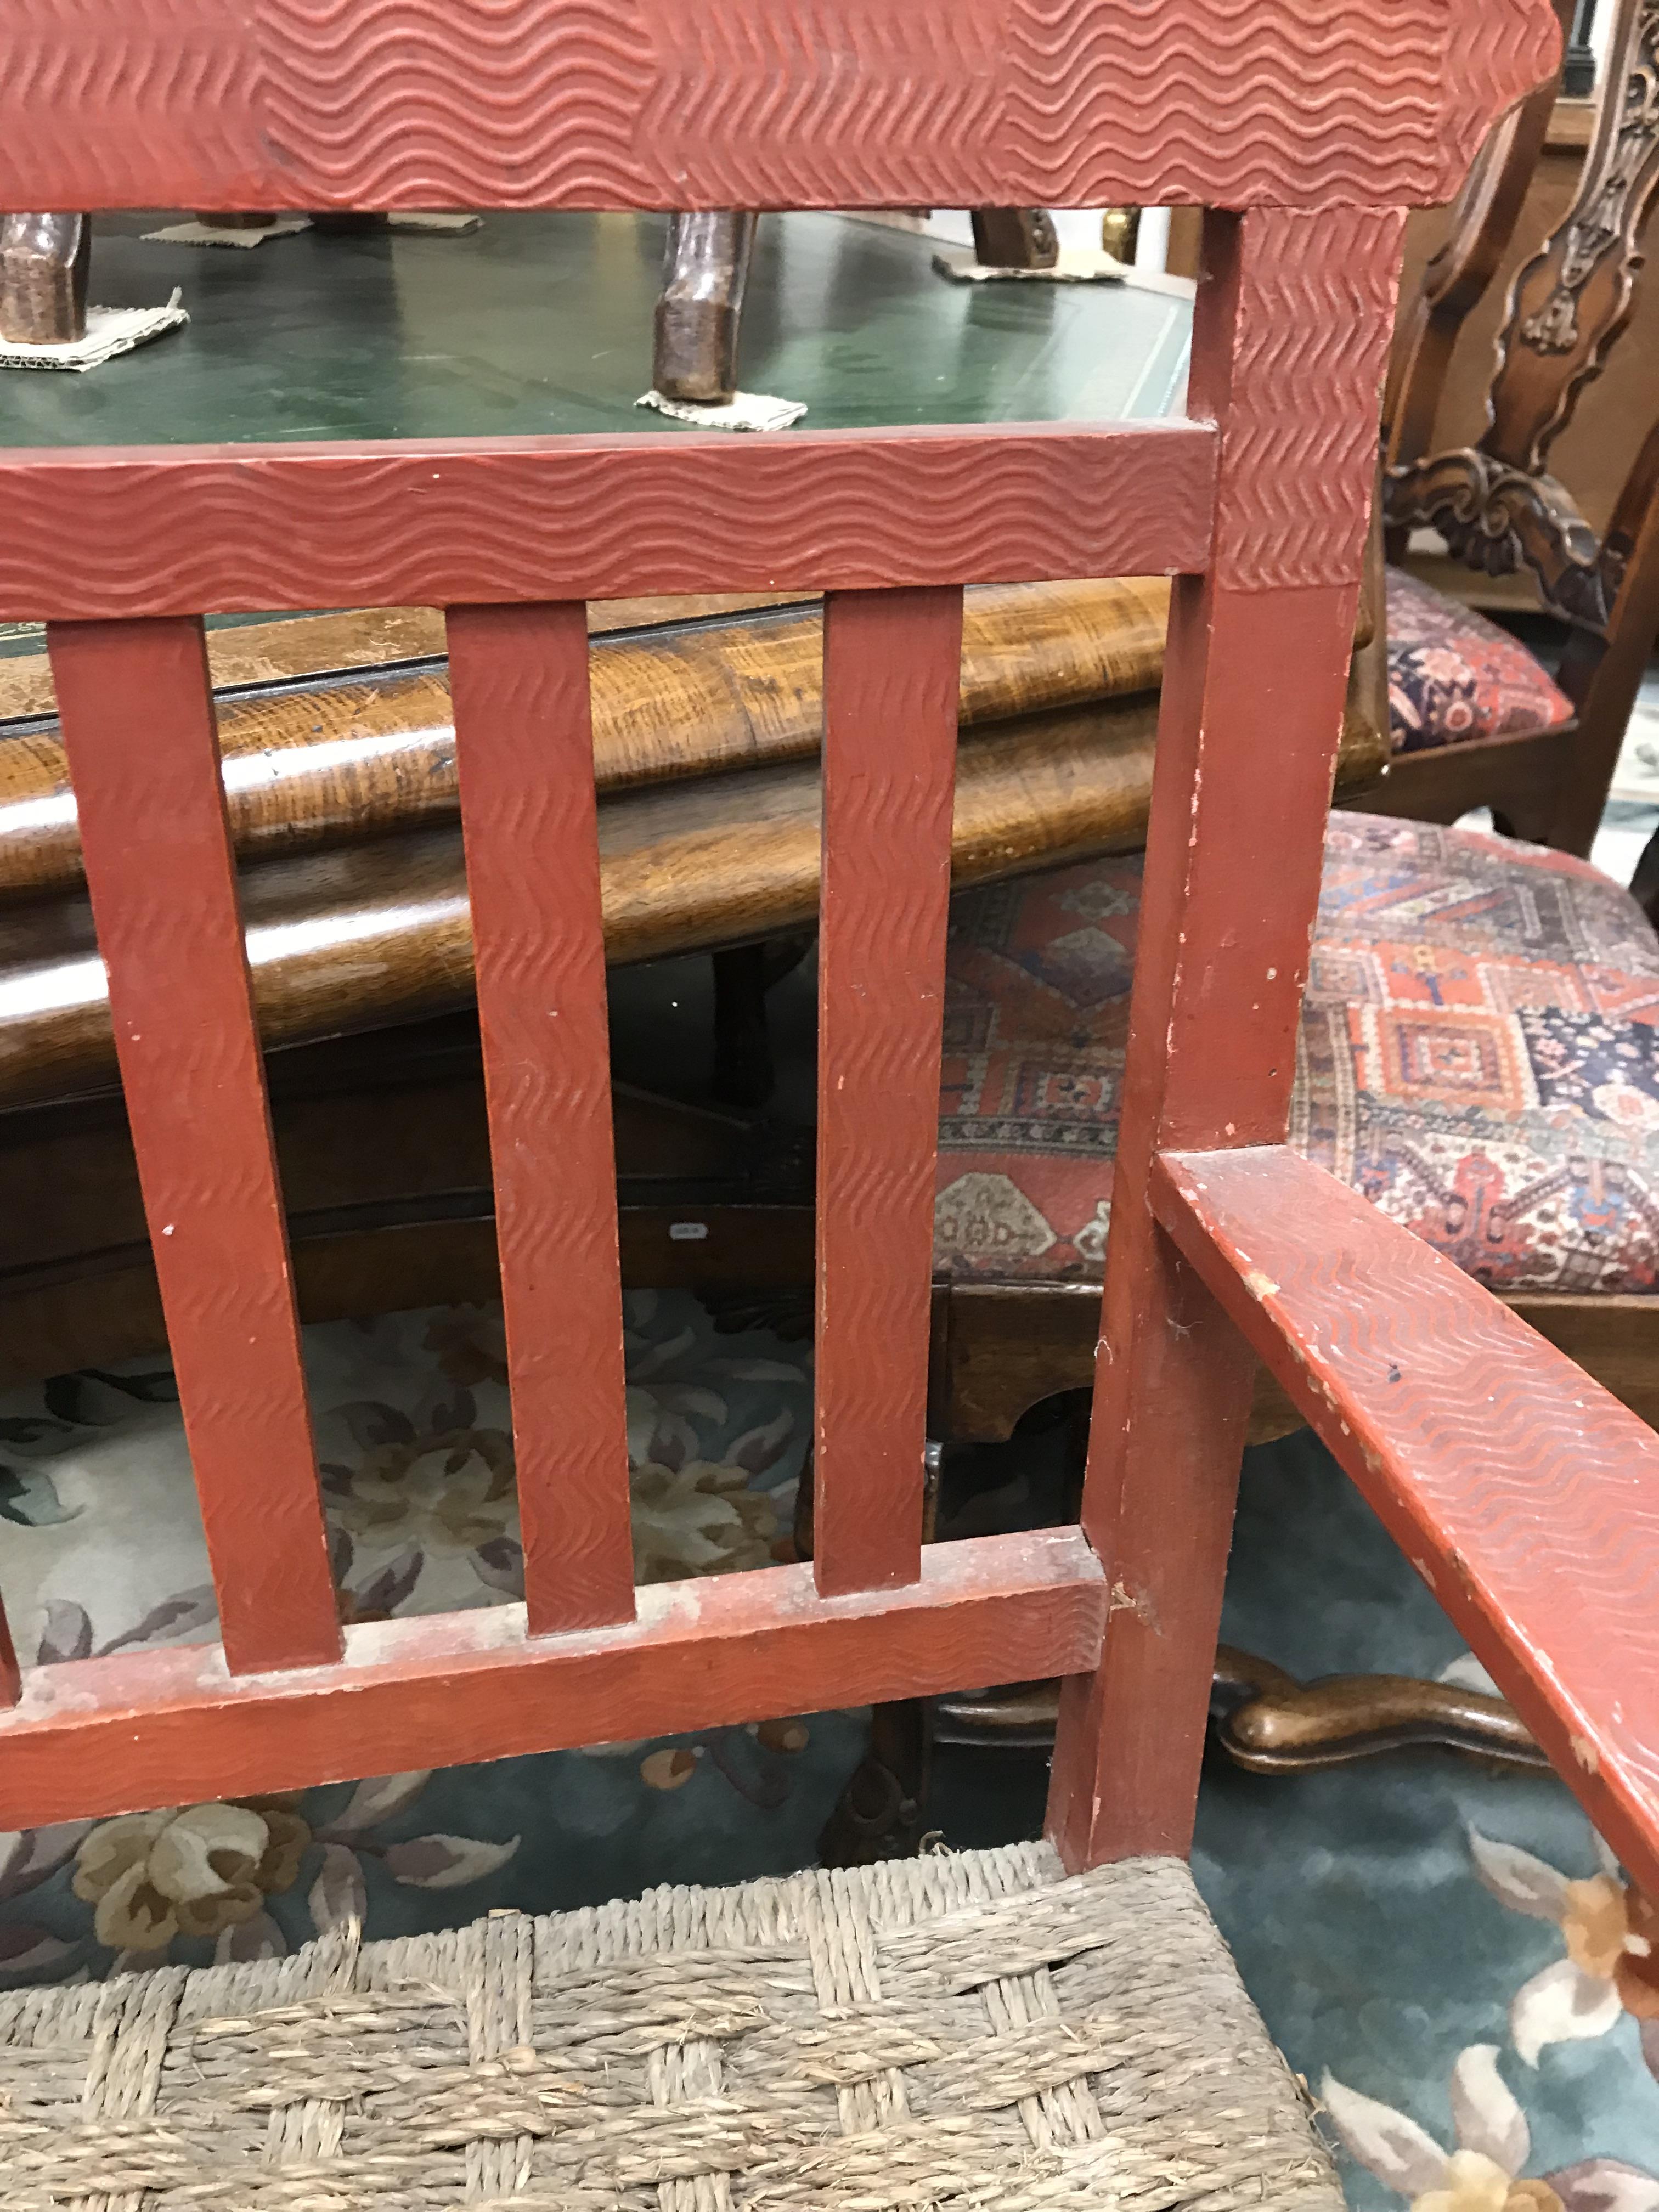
x: 972, y: 2028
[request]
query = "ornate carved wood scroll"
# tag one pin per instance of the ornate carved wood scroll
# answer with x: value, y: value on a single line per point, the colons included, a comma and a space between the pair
x: 1496, y: 505
x: 1498, y: 519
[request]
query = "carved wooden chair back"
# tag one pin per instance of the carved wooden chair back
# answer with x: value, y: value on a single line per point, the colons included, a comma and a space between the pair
x: 1307, y: 141
x: 1497, y: 504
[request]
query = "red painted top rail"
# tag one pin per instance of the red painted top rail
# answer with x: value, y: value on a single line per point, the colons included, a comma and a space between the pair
x: 754, y: 103
x: 104, y: 533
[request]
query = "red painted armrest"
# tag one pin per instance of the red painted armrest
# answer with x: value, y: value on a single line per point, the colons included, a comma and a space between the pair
x: 1525, y: 1495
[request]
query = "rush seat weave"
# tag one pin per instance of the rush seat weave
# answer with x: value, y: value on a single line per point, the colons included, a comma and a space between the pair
x: 970, y: 2029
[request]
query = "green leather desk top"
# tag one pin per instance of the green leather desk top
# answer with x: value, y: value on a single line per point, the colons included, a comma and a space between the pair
x: 543, y: 323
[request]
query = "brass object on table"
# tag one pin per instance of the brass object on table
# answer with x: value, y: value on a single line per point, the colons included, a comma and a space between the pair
x: 1120, y: 233
x: 44, y: 265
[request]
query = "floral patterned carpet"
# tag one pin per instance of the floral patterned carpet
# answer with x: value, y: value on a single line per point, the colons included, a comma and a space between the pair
x: 1442, y: 1949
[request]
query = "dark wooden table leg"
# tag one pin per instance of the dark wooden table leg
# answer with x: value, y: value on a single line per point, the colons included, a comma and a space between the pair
x: 44, y: 265
x: 700, y: 312
x: 1015, y: 238
x: 743, y: 1073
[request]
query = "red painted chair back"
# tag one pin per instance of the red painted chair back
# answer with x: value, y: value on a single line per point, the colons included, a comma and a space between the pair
x: 1308, y: 131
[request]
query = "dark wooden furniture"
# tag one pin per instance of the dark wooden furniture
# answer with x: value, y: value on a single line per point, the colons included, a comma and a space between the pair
x: 1216, y: 1257
x: 1497, y: 504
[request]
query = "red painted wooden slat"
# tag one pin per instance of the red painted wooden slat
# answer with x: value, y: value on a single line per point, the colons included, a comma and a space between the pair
x: 159, y: 531
x: 753, y: 103
x: 164, y: 1726
x: 891, y: 678
x: 1292, y: 330
x: 524, y: 746
x: 1524, y: 1494
x: 139, y: 731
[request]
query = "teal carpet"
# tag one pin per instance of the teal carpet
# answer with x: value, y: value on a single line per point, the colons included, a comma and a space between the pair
x: 1439, y: 1947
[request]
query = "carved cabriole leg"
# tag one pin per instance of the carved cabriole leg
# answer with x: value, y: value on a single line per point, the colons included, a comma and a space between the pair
x: 1014, y: 238
x: 1291, y: 328
x: 1266, y: 1721
x: 700, y: 312
x: 44, y: 264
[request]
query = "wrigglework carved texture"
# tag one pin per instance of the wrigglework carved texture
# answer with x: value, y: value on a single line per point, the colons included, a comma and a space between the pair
x: 890, y: 685
x: 275, y: 527
x: 1299, y: 455
x: 525, y: 750
x: 642, y: 103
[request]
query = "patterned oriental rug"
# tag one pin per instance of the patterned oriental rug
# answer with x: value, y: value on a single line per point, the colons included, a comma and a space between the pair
x: 1442, y: 1949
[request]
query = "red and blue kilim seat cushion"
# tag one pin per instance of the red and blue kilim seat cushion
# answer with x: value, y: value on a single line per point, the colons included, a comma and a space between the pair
x: 1455, y: 678
x: 1478, y: 1055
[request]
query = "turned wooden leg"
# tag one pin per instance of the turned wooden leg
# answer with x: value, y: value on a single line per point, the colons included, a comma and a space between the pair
x: 1015, y: 238
x: 700, y: 312
x: 743, y: 1074
x: 44, y: 265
